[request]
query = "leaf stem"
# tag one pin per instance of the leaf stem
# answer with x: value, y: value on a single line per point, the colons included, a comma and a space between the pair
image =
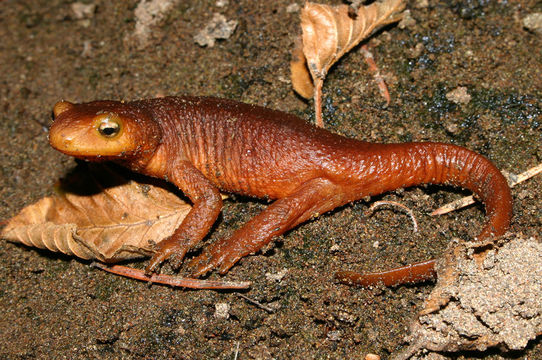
x: 318, y: 83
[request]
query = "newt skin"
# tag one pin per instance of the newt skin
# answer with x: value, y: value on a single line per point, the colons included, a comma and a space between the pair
x: 207, y: 145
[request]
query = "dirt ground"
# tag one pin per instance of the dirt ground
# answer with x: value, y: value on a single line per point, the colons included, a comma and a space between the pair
x: 56, y: 307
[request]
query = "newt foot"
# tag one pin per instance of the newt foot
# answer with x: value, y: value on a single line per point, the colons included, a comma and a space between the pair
x: 220, y: 258
x: 166, y: 251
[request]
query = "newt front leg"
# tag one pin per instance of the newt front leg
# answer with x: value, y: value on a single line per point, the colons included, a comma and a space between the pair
x: 207, y: 204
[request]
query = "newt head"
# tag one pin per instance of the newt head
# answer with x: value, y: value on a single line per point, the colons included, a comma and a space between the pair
x: 103, y: 130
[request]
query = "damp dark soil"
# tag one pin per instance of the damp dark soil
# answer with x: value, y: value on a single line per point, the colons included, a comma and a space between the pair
x: 57, y: 307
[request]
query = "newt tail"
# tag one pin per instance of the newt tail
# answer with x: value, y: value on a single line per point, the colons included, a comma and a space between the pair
x: 451, y: 165
x: 208, y: 145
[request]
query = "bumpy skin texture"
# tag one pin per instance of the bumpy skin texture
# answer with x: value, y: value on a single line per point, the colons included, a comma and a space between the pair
x: 208, y: 145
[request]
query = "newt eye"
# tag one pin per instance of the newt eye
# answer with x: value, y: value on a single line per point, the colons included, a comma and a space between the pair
x: 109, y: 127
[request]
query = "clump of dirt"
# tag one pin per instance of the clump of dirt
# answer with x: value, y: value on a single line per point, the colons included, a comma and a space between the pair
x: 486, y: 296
x: 148, y: 15
x: 217, y: 28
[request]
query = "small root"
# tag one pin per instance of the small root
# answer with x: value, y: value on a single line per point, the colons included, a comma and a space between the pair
x: 258, y: 304
x: 396, y: 204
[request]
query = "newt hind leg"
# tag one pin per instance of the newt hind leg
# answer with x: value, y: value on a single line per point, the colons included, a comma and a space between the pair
x: 312, y: 198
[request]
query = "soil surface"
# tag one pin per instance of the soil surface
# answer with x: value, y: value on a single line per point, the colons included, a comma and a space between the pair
x: 57, y: 307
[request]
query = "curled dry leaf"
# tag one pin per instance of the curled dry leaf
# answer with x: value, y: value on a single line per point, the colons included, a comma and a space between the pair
x: 99, y: 215
x: 301, y: 79
x: 328, y: 33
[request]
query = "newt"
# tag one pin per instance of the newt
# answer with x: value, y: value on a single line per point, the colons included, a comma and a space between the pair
x: 207, y: 145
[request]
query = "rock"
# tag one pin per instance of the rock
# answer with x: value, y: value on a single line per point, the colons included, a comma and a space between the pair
x: 533, y: 22
x: 217, y: 28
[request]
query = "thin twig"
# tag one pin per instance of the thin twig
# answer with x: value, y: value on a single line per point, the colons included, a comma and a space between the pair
x: 236, y: 351
x: 258, y: 304
x: 382, y: 87
x: 175, y: 281
x: 393, y: 203
x: 513, y: 180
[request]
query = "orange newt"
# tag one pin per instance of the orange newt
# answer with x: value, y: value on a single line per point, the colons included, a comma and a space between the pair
x: 207, y: 145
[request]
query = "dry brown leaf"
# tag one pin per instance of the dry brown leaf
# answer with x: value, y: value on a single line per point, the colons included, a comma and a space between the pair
x: 331, y: 31
x: 99, y: 214
x: 301, y: 79
x: 114, y: 219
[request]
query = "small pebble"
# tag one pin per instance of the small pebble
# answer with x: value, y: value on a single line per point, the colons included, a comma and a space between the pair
x: 83, y: 11
x: 421, y: 4
x: 217, y: 28
x: 533, y: 22
x: 334, y: 335
x: 452, y: 128
x: 294, y: 7
x: 87, y: 49
x: 222, y: 311
x: 278, y: 276
x: 459, y: 95
x: 334, y: 248
x: 416, y: 51
x: 407, y: 22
